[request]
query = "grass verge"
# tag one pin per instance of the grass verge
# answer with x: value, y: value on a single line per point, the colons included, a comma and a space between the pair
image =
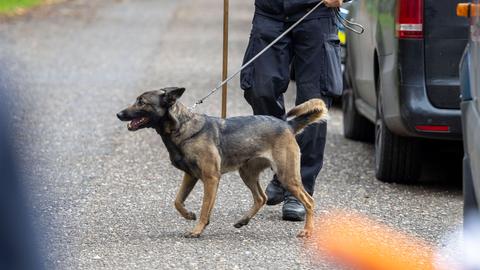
x: 9, y: 7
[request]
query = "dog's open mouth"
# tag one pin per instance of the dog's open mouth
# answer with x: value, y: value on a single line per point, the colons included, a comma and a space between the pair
x: 137, y: 123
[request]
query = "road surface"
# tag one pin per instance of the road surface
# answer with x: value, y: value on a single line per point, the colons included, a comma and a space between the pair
x: 103, y: 196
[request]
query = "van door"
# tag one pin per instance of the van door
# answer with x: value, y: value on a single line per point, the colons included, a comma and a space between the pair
x: 474, y: 126
x: 361, y: 50
x: 446, y: 36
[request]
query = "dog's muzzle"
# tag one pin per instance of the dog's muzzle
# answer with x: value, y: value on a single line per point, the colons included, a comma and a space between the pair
x: 121, y: 116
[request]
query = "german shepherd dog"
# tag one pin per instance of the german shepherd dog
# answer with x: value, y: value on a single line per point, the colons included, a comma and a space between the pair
x: 205, y: 147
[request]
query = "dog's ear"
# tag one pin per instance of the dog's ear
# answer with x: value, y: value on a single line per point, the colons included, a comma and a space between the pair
x: 173, y: 93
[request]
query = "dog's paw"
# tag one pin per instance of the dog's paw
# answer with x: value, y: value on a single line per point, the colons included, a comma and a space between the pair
x: 304, y: 233
x: 241, y: 223
x: 190, y: 216
x: 191, y: 235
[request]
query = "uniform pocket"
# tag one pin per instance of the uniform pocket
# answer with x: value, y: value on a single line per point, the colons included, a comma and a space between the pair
x: 246, y: 76
x: 333, y: 68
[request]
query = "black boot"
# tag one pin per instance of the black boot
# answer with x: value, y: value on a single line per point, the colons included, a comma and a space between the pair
x: 275, y: 192
x: 292, y: 209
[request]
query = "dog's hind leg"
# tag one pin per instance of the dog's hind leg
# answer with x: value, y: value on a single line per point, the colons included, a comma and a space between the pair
x: 250, y: 176
x: 287, y: 160
x: 187, y: 185
x: 299, y: 192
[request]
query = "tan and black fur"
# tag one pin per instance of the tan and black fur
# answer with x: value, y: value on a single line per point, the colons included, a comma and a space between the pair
x: 206, y: 147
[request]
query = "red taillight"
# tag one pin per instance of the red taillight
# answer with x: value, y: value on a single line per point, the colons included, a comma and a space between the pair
x: 409, y: 19
x: 433, y: 128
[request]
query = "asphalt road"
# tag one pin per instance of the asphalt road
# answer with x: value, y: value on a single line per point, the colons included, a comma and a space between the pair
x: 103, y: 197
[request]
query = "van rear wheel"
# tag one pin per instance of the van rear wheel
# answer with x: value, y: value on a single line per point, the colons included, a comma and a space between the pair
x: 397, y: 158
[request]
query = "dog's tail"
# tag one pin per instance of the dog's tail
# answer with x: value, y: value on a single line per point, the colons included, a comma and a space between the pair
x: 307, y: 113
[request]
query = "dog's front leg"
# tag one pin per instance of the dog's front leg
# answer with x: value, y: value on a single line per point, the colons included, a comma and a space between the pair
x: 209, y: 194
x: 187, y: 185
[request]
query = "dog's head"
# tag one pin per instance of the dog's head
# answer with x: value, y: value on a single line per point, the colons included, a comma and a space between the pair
x: 150, y: 107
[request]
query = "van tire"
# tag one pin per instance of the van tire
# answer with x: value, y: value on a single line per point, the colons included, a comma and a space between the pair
x: 355, y: 126
x: 397, y: 158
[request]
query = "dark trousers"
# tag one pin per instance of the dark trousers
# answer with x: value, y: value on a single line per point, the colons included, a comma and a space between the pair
x: 312, y: 48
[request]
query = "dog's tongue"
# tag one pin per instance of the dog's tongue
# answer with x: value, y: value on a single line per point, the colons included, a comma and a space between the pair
x: 135, y: 123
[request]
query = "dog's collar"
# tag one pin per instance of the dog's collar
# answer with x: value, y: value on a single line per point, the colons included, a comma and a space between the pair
x: 195, y: 134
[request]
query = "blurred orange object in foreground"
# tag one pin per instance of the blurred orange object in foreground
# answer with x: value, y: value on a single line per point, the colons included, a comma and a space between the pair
x: 362, y: 243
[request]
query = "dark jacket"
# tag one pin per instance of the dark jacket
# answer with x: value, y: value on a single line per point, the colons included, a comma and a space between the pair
x: 290, y: 10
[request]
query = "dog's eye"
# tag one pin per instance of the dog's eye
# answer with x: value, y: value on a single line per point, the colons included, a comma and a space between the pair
x: 140, y: 102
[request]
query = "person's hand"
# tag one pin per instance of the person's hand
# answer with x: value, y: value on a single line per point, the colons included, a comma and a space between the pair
x: 333, y: 3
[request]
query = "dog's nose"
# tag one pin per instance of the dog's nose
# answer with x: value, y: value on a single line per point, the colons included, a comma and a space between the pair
x: 120, y: 115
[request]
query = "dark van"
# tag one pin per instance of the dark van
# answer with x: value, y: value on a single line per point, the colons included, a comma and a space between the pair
x: 403, y: 80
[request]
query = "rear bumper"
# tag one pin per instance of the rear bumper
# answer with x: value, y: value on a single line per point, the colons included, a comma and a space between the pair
x: 407, y: 105
x: 417, y: 112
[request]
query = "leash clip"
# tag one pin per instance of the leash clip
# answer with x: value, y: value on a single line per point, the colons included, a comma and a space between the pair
x: 352, y: 26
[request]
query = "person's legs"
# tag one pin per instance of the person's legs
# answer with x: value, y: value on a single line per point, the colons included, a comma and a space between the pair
x: 312, y: 145
x: 313, y: 74
x: 315, y: 47
x: 265, y: 80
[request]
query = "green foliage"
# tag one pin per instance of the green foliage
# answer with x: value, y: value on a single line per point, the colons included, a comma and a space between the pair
x: 11, y: 6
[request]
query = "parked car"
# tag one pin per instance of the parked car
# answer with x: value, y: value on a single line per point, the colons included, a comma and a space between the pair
x: 403, y: 73
x: 470, y: 85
